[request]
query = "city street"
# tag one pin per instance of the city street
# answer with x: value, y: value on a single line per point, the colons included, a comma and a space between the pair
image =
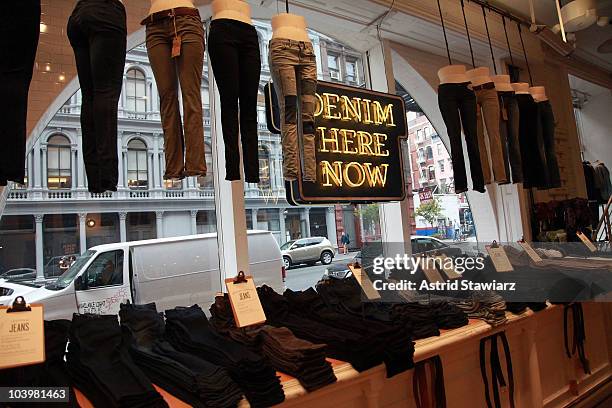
x: 303, y: 276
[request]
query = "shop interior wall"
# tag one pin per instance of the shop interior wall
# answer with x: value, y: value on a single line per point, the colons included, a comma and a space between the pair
x: 596, y: 123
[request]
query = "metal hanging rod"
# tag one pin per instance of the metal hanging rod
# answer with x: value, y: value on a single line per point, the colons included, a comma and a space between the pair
x: 500, y: 11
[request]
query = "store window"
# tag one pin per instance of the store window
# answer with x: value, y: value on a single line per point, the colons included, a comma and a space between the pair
x: 264, y: 168
x: 137, y: 168
x: 135, y: 93
x: 59, y: 166
x: 333, y: 64
x: 105, y: 270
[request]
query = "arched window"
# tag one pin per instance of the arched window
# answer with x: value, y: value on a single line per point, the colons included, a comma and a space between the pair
x: 59, y: 167
x: 137, y: 166
x: 135, y: 92
x: 264, y: 168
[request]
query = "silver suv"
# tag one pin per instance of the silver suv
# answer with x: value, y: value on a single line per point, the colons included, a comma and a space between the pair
x: 308, y: 251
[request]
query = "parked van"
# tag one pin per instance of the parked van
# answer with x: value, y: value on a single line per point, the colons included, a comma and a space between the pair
x: 168, y: 271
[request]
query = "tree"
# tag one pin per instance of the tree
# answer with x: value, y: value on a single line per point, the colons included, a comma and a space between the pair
x: 430, y: 210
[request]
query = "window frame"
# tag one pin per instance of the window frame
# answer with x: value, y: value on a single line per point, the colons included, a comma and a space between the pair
x: 138, y: 171
x: 51, y: 148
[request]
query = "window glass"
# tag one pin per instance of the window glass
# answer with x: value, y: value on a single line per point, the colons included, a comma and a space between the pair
x: 105, y: 270
x: 135, y: 93
x: 137, y: 168
x: 59, y: 166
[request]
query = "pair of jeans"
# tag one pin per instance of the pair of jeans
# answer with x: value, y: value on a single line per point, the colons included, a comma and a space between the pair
x: 195, y: 381
x: 183, y: 142
x: 19, y: 34
x: 532, y: 150
x: 547, y: 119
x: 458, y: 108
x: 188, y: 330
x: 488, y: 116
x: 233, y: 47
x: 100, y: 365
x: 97, y: 33
x: 294, y: 72
x: 286, y: 352
x: 509, y: 114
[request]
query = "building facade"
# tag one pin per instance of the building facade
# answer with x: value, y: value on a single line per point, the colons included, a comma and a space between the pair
x: 53, y: 214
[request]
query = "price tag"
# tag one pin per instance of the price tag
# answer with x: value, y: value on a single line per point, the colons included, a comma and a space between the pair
x: 431, y: 272
x: 22, y: 336
x: 244, y: 299
x: 446, y: 263
x: 365, y: 282
x: 176, y: 46
x: 587, y: 241
x: 530, y: 251
x: 500, y: 258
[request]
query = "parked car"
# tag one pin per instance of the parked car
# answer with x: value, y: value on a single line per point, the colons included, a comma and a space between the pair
x: 168, y: 271
x: 19, y: 275
x: 308, y: 251
x: 423, y: 244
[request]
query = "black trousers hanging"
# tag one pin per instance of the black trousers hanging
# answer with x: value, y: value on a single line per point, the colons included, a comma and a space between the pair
x: 233, y: 47
x: 497, y: 374
x: 19, y: 33
x: 97, y: 33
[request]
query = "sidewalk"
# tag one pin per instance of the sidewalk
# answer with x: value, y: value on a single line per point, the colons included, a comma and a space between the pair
x: 341, y: 257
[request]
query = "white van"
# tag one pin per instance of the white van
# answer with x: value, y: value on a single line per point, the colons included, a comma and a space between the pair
x: 169, y: 271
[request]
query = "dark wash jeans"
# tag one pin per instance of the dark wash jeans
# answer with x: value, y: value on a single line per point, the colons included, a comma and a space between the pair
x: 233, y: 47
x: 547, y: 120
x: 19, y: 33
x: 97, y: 33
x: 510, y: 133
x: 458, y: 108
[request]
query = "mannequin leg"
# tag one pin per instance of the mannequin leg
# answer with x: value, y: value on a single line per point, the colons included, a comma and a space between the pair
x: 190, y: 64
x: 250, y: 70
x: 225, y: 61
x: 482, y: 146
x: 467, y: 109
x: 159, y: 48
x: 490, y: 113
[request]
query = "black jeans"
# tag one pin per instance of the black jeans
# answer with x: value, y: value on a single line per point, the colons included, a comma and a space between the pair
x: 530, y: 135
x: 97, y: 33
x: 19, y: 33
x: 233, y: 47
x: 510, y: 128
x: 547, y: 121
x: 458, y: 107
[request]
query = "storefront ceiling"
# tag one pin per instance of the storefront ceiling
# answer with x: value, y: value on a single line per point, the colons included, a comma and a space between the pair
x: 587, y: 40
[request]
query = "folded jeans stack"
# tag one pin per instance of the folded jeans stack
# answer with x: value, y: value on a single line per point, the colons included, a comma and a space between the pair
x: 188, y: 330
x: 393, y: 342
x: 100, y: 365
x: 193, y: 380
x: 287, y: 353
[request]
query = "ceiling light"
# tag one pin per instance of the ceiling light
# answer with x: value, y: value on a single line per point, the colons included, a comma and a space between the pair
x: 91, y: 223
x: 61, y: 77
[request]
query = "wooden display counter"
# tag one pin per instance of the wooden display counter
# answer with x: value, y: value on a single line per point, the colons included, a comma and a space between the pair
x: 544, y: 376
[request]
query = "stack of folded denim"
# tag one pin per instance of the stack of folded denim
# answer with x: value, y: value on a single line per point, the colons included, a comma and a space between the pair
x: 287, y: 353
x: 484, y: 305
x: 420, y: 317
x: 394, y: 342
x: 188, y: 330
x: 193, y: 380
x: 100, y: 365
x: 344, y: 345
x: 51, y: 373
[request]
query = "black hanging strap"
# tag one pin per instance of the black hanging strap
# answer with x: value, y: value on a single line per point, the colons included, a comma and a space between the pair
x: 287, y: 6
x: 450, y: 62
x: 524, y: 52
x: 467, y: 31
x: 484, y: 14
x: 497, y: 375
x: 507, y: 40
x: 578, y: 335
x: 426, y: 396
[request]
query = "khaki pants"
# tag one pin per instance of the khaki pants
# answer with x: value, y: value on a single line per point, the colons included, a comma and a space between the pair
x: 184, y: 154
x: 489, y: 112
x: 294, y: 72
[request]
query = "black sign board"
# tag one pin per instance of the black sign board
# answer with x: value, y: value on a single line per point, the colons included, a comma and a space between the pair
x: 358, y: 153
